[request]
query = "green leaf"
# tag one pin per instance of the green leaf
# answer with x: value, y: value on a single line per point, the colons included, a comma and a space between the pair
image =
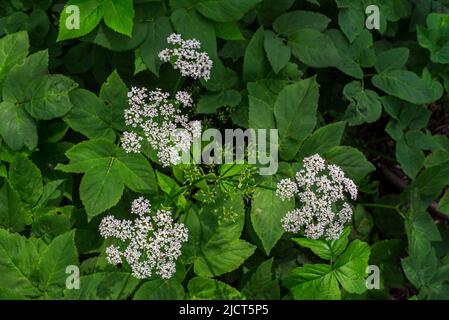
x: 11, y: 212
x: 295, y: 112
x: 107, y: 169
x: 26, y: 178
x: 209, y: 103
x: 263, y: 284
x: 392, y: 59
x: 328, y: 250
x: 351, y: 160
x: 313, y: 281
x: 209, y: 289
x: 104, y: 286
x: 225, y: 10
x: 220, y: 257
x: 365, y: 105
x: 17, y: 127
x: 88, y: 116
x: 314, y: 48
x: 90, y: 14
x: 18, y: 259
x: 228, y: 31
x: 294, y: 21
x: 50, y: 97
x: 114, y: 94
x: 352, y: 20
x: 255, y: 63
x: 156, y: 41
x: 410, y: 158
x: 17, y: 83
x: 434, y: 37
x: 118, y: 15
x: 53, y: 262
x: 267, y: 210
x: 100, y: 189
x: 13, y: 50
x: 160, y: 290
x: 350, y: 267
x: 278, y: 53
x: 405, y: 85
x: 192, y: 25
x: 260, y: 115
x: 323, y: 139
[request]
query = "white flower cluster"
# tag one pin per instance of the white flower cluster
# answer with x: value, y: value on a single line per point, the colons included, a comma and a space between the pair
x: 148, y: 244
x: 321, y: 191
x: 159, y: 120
x: 186, y: 58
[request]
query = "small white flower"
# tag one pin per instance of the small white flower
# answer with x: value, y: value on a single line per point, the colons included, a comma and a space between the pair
x: 158, y: 120
x: 320, y: 189
x: 187, y: 59
x: 149, y: 244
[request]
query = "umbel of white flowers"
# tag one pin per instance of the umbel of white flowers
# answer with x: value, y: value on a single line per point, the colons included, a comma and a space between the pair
x: 186, y: 58
x: 158, y: 119
x: 321, y: 189
x: 149, y: 244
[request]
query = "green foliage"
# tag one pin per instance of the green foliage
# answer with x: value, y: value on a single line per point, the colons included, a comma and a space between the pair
x: 373, y: 102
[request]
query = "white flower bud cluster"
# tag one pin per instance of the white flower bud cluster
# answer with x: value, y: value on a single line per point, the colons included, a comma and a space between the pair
x: 158, y: 120
x: 186, y: 58
x: 321, y: 190
x: 149, y: 244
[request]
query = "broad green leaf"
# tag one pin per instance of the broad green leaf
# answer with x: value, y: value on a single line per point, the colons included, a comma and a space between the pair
x: 267, y: 210
x: 220, y: 257
x: 352, y: 20
x: 313, y: 281
x: 18, y: 261
x: 104, y: 286
x: 89, y: 115
x: 278, y: 53
x: 323, y: 139
x: 100, y: 189
x: 156, y: 41
x: 255, y: 63
x: 11, y: 212
x: 405, y: 85
x: 160, y: 290
x: 13, y: 50
x: 209, y: 103
x: 228, y: 31
x: 50, y: 97
x: 261, y: 115
x: 295, y: 112
x: 364, y: 106
x: 191, y: 24
x: 314, y: 48
x: 17, y: 83
x: 410, y: 158
x: 294, y: 21
x: 328, y: 250
x: 118, y: 15
x: 263, y: 284
x: 209, y: 289
x: 443, y: 204
x: 26, y: 178
x: 107, y: 170
x: 225, y: 10
x: 17, y: 127
x: 350, y: 267
x: 53, y: 262
x: 392, y: 59
x: 435, y: 37
x: 352, y: 161
x: 90, y: 14
x: 114, y: 94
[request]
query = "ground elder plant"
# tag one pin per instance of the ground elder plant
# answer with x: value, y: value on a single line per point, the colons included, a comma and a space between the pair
x: 106, y: 114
